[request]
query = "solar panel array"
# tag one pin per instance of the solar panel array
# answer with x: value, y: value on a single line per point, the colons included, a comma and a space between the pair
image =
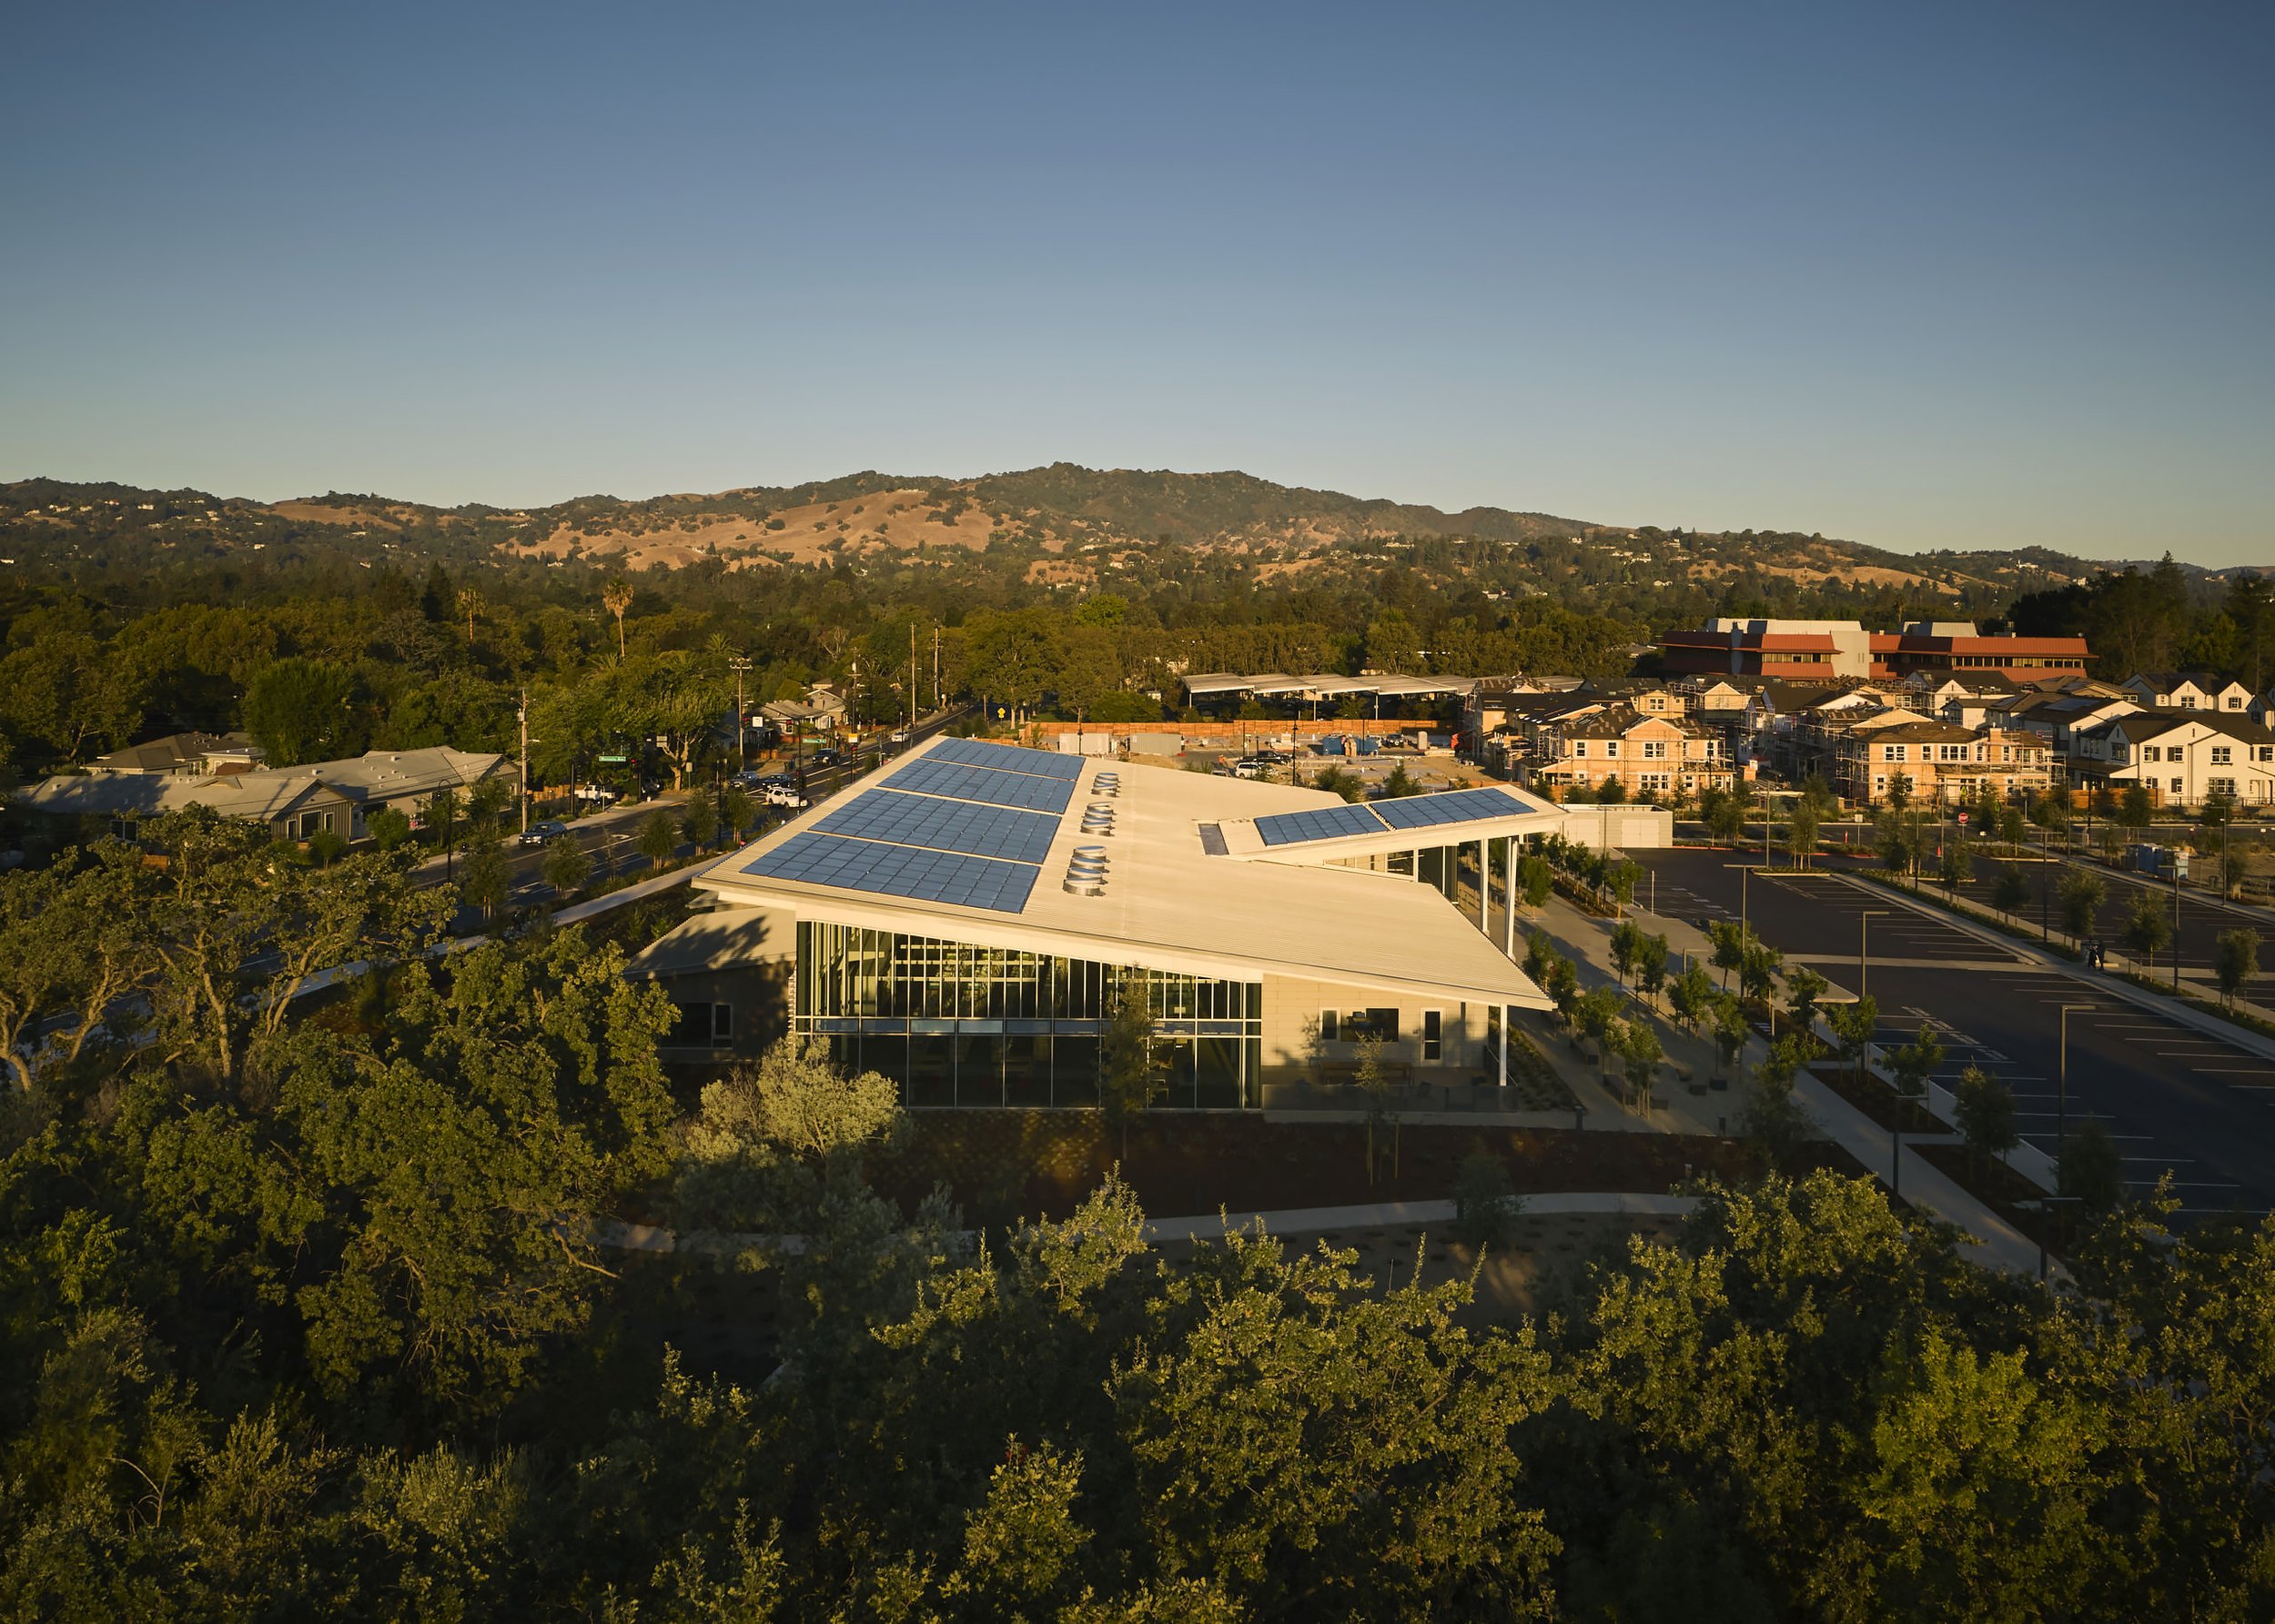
x: 1006, y: 758
x: 1287, y: 829
x: 899, y: 871
x: 1454, y: 806
x: 967, y: 822
x: 989, y: 785
x: 1411, y: 812
x: 941, y: 825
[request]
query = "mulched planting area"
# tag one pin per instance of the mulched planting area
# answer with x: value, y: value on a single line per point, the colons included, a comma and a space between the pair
x: 1003, y: 1164
x: 1993, y: 1184
x: 1877, y: 1100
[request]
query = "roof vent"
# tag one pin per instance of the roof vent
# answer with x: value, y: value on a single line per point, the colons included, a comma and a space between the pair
x: 1085, y: 871
x: 1106, y: 783
x: 1098, y: 818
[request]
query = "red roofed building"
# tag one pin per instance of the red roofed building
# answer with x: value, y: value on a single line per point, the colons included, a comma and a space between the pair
x: 1828, y: 650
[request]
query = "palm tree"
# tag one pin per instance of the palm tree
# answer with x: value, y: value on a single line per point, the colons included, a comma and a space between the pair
x: 617, y: 596
x: 469, y: 602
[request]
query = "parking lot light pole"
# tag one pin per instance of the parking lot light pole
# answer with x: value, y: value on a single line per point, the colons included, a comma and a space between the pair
x: 2061, y: 1086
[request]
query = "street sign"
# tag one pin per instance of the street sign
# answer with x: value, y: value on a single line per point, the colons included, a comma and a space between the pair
x: 612, y: 761
x: 1963, y: 820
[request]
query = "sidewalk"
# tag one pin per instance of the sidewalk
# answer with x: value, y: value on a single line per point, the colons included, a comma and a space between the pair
x: 1309, y: 1220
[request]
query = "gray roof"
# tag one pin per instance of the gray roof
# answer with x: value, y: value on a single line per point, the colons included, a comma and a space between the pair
x: 376, y: 776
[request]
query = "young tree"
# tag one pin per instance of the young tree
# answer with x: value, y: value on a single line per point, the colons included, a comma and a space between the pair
x: 388, y: 827
x: 1773, y: 1118
x: 1731, y: 940
x: 1801, y: 833
x: 1400, y: 783
x: 2147, y: 929
x: 1486, y: 1204
x: 2091, y: 1169
x: 567, y: 866
x: 1651, y: 968
x: 1130, y: 1069
x: 2236, y: 961
x: 1914, y: 1064
x: 2009, y: 891
x: 1537, y: 879
x: 1627, y: 945
x: 701, y: 822
x: 1758, y: 976
x: 1640, y: 1053
x: 2080, y: 896
x: 1986, y: 1110
x: 735, y: 812
x: 1596, y: 1014
x: 489, y: 875
x: 1692, y: 995
x: 1853, y: 1025
x: 1381, y: 1093
x: 2136, y: 809
x: 1730, y: 1030
x: 1804, y: 987
x: 658, y: 837
x: 1956, y: 866
x: 1621, y: 879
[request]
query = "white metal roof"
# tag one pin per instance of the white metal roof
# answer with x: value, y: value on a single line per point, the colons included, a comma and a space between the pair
x: 1239, y: 911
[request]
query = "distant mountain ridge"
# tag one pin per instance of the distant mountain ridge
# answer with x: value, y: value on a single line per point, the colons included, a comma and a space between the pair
x: 1058, y: 515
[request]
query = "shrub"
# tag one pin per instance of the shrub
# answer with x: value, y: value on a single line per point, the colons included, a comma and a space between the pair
x: 1486, y: 1205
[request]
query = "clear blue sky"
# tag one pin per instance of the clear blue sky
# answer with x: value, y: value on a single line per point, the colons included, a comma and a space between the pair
x: 1923, y: 276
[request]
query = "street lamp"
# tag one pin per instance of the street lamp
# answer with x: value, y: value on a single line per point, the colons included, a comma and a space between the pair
x: 2061, y: 1097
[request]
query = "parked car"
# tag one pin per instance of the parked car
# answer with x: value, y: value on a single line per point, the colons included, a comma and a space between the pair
x: 1247, y: 767
x: 544, y: 830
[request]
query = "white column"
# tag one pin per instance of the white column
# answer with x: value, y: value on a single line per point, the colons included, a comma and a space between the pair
x: 1484, y: 889
x: 1508, y: 893
x: 1505, y: 1011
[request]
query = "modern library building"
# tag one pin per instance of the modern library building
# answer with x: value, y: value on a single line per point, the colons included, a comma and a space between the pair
x: 962, y: 919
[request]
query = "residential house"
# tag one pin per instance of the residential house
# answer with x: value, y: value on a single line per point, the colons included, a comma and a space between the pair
x: 2189, y: 690
x: 1660, y: 756
x: 2181, y: 757
x: 1937, y: 762
x: 186, y: 755
x: 294, y: 803
x: 1828, y: 650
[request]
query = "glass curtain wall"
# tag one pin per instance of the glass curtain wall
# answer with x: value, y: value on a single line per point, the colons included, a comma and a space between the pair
x: 959, y: 1024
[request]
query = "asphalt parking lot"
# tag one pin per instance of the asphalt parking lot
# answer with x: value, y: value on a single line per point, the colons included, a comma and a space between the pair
x: 2175, y: 1100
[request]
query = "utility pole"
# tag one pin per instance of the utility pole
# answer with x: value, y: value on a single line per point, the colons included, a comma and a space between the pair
x: 936, y: 671
x: 525, y: 761
x: 912, y: 679
x: 740, y: 664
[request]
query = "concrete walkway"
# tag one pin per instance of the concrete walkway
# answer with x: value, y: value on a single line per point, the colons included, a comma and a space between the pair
x: 1313, y: 1220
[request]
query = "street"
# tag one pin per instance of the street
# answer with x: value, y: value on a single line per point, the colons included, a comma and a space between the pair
x: 2173, y: 1098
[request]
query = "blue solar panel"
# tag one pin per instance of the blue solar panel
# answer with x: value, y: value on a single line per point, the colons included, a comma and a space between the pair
x: 899, y: 871
x: 1006, y: 758
x: 940, y: 825
x: 1286, y: 828
x: 990, y: 785
x: 1455, y: 806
